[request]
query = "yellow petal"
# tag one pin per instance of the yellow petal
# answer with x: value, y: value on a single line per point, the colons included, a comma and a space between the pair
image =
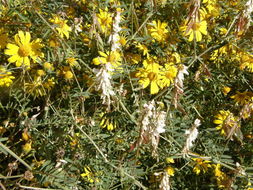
x: 198, y: 36
x: 217, y: 122
x: 154, y: 88
x: 13, y: 58
x: 191, y: 36
x: 27, y: 38
x: 11, y: 49
x: 145, y: 83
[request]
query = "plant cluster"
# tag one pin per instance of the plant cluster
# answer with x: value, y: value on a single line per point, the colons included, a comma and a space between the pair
x: 126, y: 94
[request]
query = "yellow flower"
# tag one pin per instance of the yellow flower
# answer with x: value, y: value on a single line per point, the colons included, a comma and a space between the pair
x: 38, y: 87
x: 68, y: 75
x: 228, y: 52
x: 143, y: 48
x: 61, y: 26
x: 112, y: 57
x: 27, y: 147
x: 108, y: 123
x: 158, y: 30
x: 25, y: 135
x: 48, y: 66
x: 212, y: 7
x: 223, y: 31
x: 173, y: 57
x: 195, y: 30
x: 40, y: 72
x: 89, y: 175
x: 246, y: 61
x: 242, y: 97
x: 23, y: 49
x: 226, y: 90
x: 133, y: 58
x: 5, y: 77
x: 170, y: 160
x: 104, y: 20
x: 169, y: 73
x: 170, y: 171
x: 225, y: 121
x: 150, y: 75
x: 201, y: 165
x: 221, y: 177
x: 72, y: 61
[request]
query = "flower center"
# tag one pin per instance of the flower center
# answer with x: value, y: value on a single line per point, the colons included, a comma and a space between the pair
x: 24, y: 50
x: 196, y: 26
x: 152, y: 76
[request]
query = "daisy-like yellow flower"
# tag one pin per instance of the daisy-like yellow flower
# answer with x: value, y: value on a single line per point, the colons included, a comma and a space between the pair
x: 5, y: 77
x: 242, y: 98
x: 143, y: 48
x: 23, y: 49
x: 195, y: 29
x: 225, y: 121
x: 150, y: 75
x: 112, y: 57
x: 3, y: 38
x: 61, y: 26
x: 169, y: 73
x: 158, y: 30
x: 104, y: 20
x: 201, y: 165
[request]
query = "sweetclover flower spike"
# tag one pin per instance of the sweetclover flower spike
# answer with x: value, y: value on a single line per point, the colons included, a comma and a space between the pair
x: 180, y: 76
x: 103, y: 80
x: 152, y: 122
x: 192, y: 135
x: 165, y: 182
x: 114, y: 38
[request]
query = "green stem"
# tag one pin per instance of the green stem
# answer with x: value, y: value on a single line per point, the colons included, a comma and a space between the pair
x: 14, y: 155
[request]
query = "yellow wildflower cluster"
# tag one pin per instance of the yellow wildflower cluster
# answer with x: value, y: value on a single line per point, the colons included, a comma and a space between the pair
x: 39, y: 87
x: 112, y: 57
x: 195, y: 30
x: 246, y: 61
x: 6, y: 78
x: 242, y: 98
x: 201, y: 165
x: 225, y: 121
x: 221, y: 177
x: 107, y: 122
x: 89, y: 175
x: 158, y: 31
x: 61, y: 26
x: 155, y: 75
x: 105, y: 20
